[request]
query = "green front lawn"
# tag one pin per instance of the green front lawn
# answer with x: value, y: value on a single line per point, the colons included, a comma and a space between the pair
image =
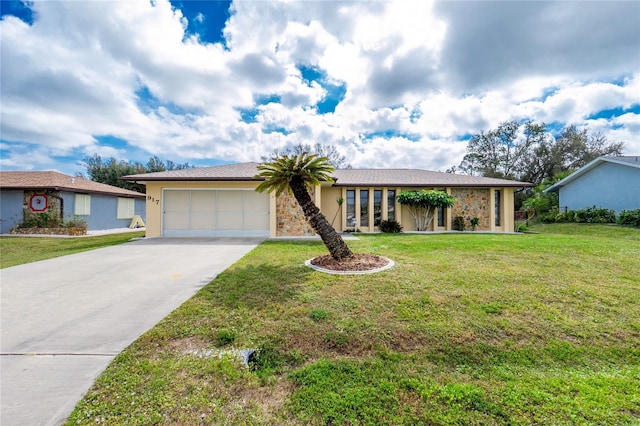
x: 18, y: 250
x: 466, y: 329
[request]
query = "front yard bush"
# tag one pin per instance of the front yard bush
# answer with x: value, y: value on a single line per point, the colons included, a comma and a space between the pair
x: 629, y: 217
x: 51, y: 219
x: 390, y: 226
x: 589, y: 215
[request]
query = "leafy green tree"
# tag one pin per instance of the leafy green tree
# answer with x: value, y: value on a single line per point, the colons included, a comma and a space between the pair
x: 529, y: 153
x: 423, y: 204
x: 110, y: 171
x: 337, y: 160
x: 295, y: 174
x: 502, y: 152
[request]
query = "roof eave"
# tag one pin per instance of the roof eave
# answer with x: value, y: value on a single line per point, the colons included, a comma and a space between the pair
x: 446, y: 185
x: 190, y: 179
x: 76, y: 190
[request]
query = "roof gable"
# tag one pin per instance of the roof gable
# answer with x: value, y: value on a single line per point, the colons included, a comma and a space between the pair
x: 60, y: 181
x: 627, y: 160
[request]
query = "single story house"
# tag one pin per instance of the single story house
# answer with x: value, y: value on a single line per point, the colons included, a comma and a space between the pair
x: 606, y: 182
x: 221, y: 200
x: 101, y: 206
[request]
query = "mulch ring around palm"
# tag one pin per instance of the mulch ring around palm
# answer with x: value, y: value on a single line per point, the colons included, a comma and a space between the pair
x: 356, y: 262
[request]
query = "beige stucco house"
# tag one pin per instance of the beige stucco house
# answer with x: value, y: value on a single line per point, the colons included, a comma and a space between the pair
x: 221, y: 200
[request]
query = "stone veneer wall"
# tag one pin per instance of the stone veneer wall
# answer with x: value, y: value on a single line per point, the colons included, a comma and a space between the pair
x: 53, y: 203
x: 290, y: 221
x: 470, y: 203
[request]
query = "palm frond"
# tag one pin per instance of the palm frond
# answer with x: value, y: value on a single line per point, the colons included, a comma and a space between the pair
x: 280, y: 171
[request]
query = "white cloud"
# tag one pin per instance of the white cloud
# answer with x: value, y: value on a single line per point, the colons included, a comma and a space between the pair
x: 435, y: 71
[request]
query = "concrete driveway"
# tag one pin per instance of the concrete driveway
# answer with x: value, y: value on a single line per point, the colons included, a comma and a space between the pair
x: 63, y: 320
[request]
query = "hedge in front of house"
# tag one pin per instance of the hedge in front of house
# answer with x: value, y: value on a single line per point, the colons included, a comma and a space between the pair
x: 589, y: 215
x: 629, y: 217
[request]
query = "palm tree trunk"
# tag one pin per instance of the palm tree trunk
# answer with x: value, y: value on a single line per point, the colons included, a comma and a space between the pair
x: 331, y: 239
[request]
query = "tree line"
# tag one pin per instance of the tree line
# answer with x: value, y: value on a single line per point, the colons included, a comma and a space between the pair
x: 529, y: 153
x: 110, y: 170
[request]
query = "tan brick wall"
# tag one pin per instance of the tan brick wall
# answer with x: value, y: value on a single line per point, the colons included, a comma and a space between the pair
x: 290, y: 220
x: 470, y: 203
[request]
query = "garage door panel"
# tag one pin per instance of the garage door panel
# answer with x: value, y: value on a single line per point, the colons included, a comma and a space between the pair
x: 176, y: 206
x: 176, y: 201
x: 203, y: 201
x: 256, y: 221
x: 176, y: 220
x: 230, y: 201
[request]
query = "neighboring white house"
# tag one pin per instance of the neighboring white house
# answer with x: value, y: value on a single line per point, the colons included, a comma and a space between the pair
x: 606, y: 182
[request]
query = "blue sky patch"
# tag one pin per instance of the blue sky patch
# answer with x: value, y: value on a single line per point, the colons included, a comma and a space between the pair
x: 112, y: 141
x: 16, y: 8
x: 267, y: 99
x: 608, y: 114
x: 335, y: 91
x: 415, y: 114
x: 275, y: 129
x: 388, y: 134
x: 555, y: 127
x: 248, y: 115
x: 207, y: 19
x: 148, y: 102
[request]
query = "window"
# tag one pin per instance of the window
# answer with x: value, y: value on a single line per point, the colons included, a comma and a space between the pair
x: 377, y: 207
x: 83, y: 205
x: 364, y: 207
x: 440, y: 211
x: 440, y: 216
x: 391, y: 204
x: 497, y: 207
x: 126, y: 208
x: 351, y: 208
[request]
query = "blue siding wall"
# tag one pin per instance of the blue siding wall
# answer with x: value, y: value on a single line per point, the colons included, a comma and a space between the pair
x: 141, y: 209
x: 104, y: 211
x: 10, y: 209
x: 608, y: 185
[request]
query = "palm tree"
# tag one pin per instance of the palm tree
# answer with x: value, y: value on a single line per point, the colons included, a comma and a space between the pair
x: 296, y: 173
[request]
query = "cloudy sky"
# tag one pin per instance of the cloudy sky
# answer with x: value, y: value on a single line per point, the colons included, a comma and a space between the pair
x: 391, y: 84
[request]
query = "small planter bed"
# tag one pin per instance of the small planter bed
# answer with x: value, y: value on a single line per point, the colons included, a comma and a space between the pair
x: 73, y: 231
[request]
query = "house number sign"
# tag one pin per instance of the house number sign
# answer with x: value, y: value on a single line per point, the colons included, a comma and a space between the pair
x: 38, y: 203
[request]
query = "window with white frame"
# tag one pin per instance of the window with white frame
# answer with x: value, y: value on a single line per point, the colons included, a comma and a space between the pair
x: 126, y: 208
x: 83, y: 205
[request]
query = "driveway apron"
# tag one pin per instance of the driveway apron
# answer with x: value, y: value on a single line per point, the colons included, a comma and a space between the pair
x: 63, y: 320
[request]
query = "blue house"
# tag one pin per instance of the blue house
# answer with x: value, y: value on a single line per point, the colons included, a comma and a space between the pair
x: 101, y: 206
x: 606, y: 182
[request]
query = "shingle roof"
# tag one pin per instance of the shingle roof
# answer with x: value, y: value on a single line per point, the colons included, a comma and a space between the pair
x: 626, y: 160
x: 60, y: 181
x: 414, y: 177
x: 240, y: 171
x: 343, y: 177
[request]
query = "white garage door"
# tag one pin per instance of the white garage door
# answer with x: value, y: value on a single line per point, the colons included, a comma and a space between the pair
x: 193, y: 212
